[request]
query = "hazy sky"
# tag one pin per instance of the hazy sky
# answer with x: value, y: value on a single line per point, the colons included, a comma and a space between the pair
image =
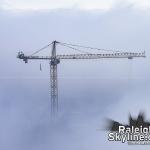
x: 81, y: 4
x: 90, y: 90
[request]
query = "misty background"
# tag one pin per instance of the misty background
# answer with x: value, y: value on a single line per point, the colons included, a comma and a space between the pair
x: 89, y: 90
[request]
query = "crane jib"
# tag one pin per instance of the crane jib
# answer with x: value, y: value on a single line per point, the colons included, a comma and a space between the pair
x: 81, y: 56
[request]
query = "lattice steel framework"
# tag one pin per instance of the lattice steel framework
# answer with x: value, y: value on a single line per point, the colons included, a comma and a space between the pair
x: 55, y: 60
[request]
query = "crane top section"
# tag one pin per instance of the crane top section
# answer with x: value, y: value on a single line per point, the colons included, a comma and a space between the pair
x: 55, y: 59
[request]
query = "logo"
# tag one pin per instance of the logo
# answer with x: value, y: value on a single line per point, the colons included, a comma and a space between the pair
x: 136, y: 132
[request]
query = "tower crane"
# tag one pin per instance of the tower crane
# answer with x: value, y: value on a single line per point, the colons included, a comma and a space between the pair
x: 54, y: 60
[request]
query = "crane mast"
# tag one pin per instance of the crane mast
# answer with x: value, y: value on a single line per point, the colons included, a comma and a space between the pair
x: 55, y: 60
x: 53, y: 79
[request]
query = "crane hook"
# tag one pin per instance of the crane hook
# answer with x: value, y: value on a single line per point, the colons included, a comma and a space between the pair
x: 40, y: 67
